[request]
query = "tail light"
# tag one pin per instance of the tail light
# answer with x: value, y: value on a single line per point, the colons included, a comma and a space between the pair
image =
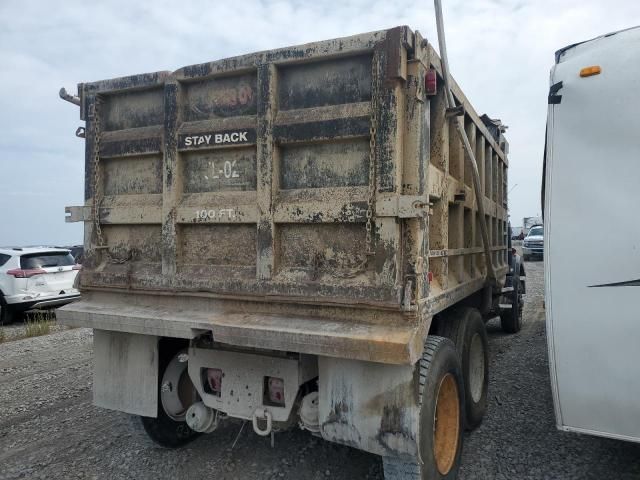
x: 212, y: 381
x: 25, y: 273
x: 431, y: 82
x: 275, y: 391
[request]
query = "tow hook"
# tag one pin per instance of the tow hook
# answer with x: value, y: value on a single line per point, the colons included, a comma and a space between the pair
x: 262, y: 414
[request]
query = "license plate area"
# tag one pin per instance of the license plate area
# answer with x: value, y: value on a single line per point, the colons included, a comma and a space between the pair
x: 238, y: 381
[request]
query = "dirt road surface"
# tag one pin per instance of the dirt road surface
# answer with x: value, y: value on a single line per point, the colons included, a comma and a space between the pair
x: 49, y: 429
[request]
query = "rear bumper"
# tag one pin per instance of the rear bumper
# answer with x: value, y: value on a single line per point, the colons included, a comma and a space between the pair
x: 22, y: 302
x: 366, y: 405
x: 398, y: 341
x: 533, y: 250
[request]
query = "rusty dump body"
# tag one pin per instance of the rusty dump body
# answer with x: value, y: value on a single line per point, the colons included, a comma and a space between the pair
x: 298, y: 214
x: 297, y: 199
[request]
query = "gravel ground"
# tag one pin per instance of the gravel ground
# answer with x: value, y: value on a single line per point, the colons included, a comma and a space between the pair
x: 18, y: 328
x: 49, y: 429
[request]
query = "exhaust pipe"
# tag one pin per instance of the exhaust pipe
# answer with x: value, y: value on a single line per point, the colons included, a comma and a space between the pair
x: 69, y: 98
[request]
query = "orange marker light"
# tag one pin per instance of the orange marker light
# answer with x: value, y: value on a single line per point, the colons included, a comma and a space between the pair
x: 589, y: 71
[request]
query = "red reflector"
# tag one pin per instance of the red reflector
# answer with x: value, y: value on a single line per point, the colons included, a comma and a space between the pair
x: 431, y: 82
x: 25, y: 273
x: 275, y: 390
x: 213, y: 383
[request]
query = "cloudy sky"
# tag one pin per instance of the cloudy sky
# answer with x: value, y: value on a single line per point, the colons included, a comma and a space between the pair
x: 500, y: 52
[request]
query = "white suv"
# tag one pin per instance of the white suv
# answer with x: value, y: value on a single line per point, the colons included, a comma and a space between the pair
x: 35, y: 278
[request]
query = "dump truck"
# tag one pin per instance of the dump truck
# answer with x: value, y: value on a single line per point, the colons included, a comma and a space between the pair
x: 292, y: 238
x: 592, y: 279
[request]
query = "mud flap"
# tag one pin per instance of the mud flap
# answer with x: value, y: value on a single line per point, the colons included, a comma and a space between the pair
x: 369, y: 406
x: 125, y: 372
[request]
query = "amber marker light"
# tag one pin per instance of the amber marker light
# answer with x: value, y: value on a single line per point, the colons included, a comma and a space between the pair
x: 590, y: 71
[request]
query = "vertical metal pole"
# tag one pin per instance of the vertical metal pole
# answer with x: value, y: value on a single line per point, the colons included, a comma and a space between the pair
x: 463, y: 134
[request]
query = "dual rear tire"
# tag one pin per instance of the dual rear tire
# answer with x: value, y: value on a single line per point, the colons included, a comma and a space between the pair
x: 176, y: 394
x: 511, y: 319
x: 465, y: 327
x: 454, y: 381
x: 441, y: 400
x: 6, y: 313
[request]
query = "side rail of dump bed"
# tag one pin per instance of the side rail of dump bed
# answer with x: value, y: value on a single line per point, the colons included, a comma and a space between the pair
x: 456, y: 262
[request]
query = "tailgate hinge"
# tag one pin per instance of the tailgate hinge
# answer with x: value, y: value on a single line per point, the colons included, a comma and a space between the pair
x: 402, y: 206
x: 77, y: 214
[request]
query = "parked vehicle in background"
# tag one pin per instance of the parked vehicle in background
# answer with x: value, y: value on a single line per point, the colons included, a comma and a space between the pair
x: 528, y: 223
x: 593, y: 274
x: 35, y: 277
x: 516, y: 233
x: 533, y: 243
x: 78, y: 252
x: 292, y: 239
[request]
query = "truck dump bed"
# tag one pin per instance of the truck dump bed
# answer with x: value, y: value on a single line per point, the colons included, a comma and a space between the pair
x: 312, y: 181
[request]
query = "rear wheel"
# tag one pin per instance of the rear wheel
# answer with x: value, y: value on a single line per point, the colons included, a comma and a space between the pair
x: 464, y: 326
x: 441, y: 405
x: 511, y: 320
x: 175, y: 395
x: 6, y: 314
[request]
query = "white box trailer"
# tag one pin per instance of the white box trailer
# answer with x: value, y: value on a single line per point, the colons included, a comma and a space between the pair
x: 592, y: 268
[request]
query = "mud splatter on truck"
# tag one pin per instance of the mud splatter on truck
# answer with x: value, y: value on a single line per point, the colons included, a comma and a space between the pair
x: 295, y: 228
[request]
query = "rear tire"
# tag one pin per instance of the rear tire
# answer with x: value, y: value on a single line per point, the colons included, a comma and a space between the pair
x: 465, y: 328
x: 511, y: 320
x: 169, y: 429
x: 6, y: 314
x: 441, y: 401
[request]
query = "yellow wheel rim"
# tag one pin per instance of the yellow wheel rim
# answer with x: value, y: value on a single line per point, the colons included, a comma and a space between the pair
x: 446, y: 425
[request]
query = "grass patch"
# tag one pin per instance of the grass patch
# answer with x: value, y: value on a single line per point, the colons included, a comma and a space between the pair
x: 39, y: 323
